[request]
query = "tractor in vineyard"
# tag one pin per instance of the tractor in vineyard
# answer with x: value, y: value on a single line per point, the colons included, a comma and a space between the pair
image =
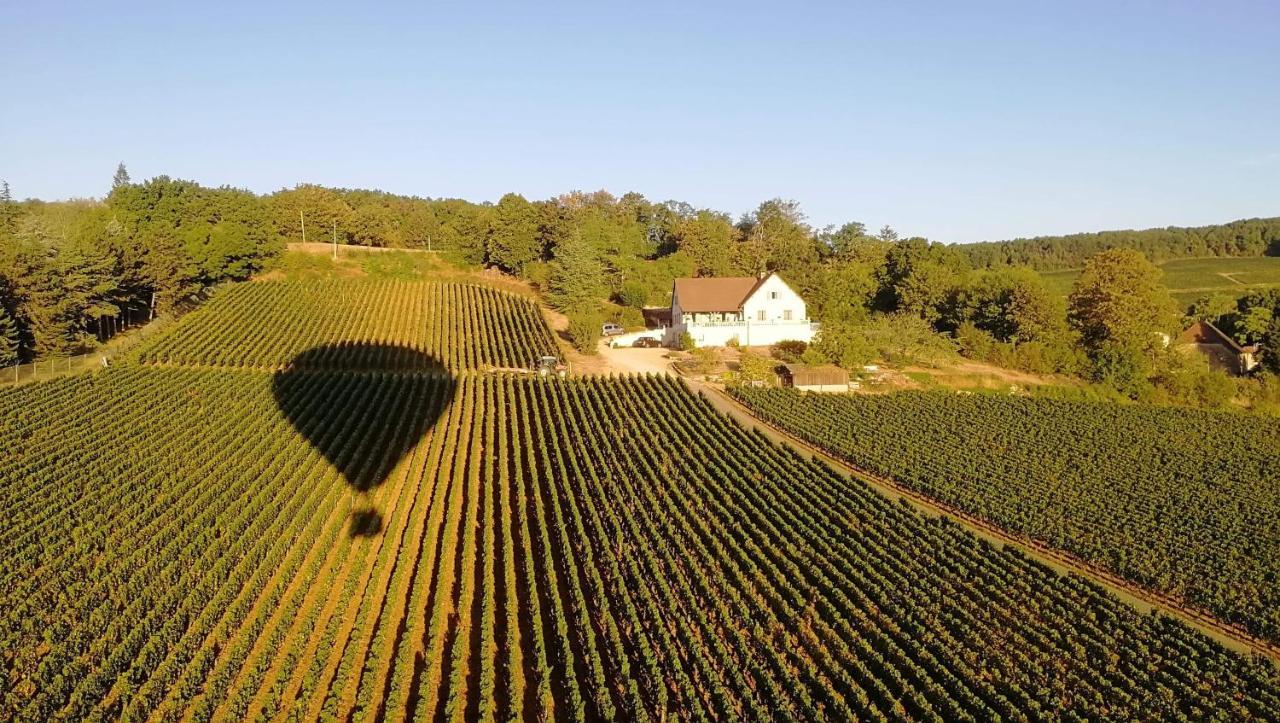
x: 547, y: 366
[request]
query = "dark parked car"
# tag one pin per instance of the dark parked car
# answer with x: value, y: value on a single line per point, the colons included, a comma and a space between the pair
x: 647, y: 342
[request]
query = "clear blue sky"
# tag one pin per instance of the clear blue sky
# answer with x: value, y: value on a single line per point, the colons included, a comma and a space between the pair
x: 957, y: 121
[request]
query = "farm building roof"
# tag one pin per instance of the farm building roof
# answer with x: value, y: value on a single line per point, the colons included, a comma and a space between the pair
x: 803, y: 375
x: 1202, y: 332
x: 725, y: 293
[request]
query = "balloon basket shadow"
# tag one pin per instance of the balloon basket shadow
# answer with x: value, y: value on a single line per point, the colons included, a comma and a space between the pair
x: 365, y: 523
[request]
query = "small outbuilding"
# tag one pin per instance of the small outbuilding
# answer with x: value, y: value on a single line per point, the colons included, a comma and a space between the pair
x: 1221, y: 351
x: 825, y: 378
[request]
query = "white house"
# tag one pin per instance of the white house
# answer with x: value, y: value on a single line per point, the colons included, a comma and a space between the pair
x: 755, y: 311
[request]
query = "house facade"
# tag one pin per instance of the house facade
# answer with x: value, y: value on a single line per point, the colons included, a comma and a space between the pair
x: 1220, y: 350
x: 748, y: 310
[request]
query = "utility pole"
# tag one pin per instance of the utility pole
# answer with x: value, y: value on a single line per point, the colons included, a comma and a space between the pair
x: 304, y: 226
x: 335, y: 239
x: 428, y: 243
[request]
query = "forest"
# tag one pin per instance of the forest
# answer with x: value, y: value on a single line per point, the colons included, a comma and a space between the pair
x: 71, y: 272
x: 1247, y: 237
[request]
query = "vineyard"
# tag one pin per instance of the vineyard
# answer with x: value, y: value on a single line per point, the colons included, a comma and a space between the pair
x: 267, y: 325
x: 1185, y: 502
x: 543, y: 549
x: 1189, y: 279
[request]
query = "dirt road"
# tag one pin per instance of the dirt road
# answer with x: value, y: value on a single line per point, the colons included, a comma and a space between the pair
x: 632, y: 360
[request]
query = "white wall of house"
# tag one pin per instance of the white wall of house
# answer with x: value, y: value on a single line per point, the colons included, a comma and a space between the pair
x: 772, y: 314
x: 774, y: 301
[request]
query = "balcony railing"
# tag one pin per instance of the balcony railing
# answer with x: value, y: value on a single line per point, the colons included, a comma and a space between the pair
x: 750, y: 322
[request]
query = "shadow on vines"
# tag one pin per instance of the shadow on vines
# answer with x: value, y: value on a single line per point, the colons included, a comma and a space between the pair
x: 363, y: 406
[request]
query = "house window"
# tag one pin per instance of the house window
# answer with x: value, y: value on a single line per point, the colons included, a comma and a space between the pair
x: 760, y: 315
x: 773, y: 296
x: 786, y: 315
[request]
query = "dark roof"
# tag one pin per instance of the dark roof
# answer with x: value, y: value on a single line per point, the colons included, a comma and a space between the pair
x: 805, y: 375
x: 1202, y: 332
x: 724, y: 293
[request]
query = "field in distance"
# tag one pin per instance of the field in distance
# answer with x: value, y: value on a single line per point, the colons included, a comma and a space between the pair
x: 1189, y: 279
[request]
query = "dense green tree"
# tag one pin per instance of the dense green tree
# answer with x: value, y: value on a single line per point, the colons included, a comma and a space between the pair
x: 8, y: 339
x: 665, y: 220
x: 710, y: 240
x: 1120, y: 300
x: 1249, y: 317
x: 316, y: 207
x: 1254, y: 324
x: 514, y: 238
x: 188, y: 236
x: 1122, y: 368
x: 584, y: 331
x: 1011, y: 304
x: 88, y: 286
x: 577, y: 283
x: 633, y: 294
x: 842, y: 291
x: 1269, y: 348
x: 1212, y: 307
x: 373, y: 225
x: 900, y: 338
x: 917, y: 278
x: 60, y: 284
x: 620, y: 243
x: 851, y: 242
x: 419, y: 225
x: 172, y: 274
x: 462, y: 230
x: 776, y: 238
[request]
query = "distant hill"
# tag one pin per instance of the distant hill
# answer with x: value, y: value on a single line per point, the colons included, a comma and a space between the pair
x: 1247, y: 237
x: 1190, y: 279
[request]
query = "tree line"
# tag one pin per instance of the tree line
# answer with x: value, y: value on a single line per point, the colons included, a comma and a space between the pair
x: 73, y: 272
x: 1246, y: 237
x: 69, y: 270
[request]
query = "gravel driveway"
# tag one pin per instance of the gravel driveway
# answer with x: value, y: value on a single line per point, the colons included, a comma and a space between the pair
x: 630, y: 359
